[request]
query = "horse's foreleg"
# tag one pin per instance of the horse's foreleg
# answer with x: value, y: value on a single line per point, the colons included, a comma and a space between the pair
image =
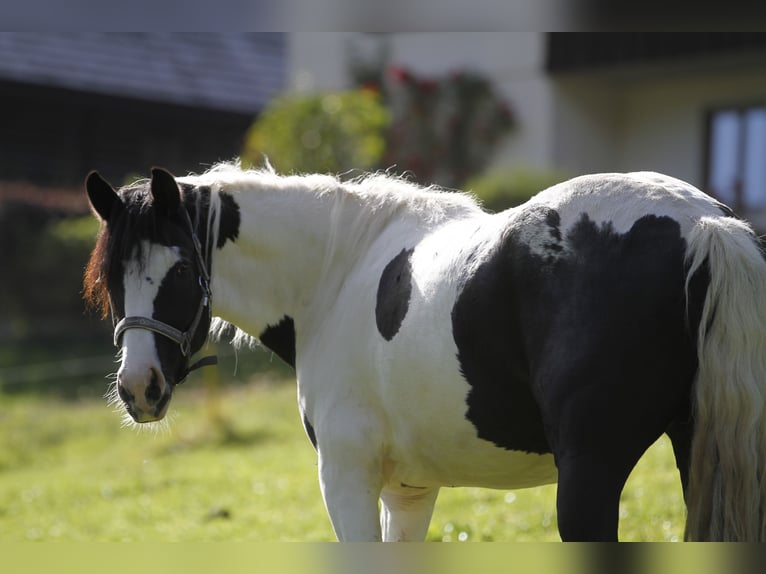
x: 351, y: 488
x: 405, y: 517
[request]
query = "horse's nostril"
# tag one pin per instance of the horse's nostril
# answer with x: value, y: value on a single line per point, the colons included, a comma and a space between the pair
x: 153, y: 391
x: 125, y: 394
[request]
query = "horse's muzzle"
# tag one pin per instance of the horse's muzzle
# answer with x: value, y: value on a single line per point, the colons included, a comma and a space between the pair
x: 146, y: 396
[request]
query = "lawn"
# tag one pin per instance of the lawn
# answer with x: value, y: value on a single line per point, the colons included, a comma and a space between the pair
x: 241, y: 470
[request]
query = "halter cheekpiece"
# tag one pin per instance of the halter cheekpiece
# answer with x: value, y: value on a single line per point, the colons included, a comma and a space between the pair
x: 182, y: 338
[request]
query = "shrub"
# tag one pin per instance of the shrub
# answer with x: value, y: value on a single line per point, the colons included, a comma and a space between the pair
x: 323, y: 133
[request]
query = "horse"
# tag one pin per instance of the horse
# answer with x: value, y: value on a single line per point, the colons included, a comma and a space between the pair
x: 438, y: 344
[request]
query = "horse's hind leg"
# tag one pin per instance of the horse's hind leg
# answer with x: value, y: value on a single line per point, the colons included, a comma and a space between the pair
x: 404, y: 517
x: 588, y: 496
x: 599, y: 425
x: 590, y: 484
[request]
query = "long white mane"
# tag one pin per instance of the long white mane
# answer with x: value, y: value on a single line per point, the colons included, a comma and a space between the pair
x: 378, y: 189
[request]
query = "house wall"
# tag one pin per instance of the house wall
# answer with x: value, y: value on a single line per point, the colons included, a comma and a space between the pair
x: 585, y: 126
x: 664, y: 121
x: 317, y: 61
x: 653, y: 119
x: 641, y: 116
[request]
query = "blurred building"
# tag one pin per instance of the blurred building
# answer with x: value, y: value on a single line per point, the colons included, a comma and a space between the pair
x: 121, y: 103
x: 689, y: 105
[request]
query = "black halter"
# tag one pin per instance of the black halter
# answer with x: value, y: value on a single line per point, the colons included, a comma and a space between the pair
x: 182, y: 338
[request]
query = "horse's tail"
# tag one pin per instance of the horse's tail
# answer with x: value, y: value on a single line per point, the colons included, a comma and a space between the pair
x: 726, y: 496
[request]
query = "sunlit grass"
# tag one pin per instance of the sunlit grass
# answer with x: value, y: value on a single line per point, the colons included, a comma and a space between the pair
x: 68, y: 471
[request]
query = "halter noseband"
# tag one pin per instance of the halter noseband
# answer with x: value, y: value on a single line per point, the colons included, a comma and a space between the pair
x: 182, y: 338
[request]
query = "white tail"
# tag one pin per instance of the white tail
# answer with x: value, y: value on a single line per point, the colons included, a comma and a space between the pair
x: 726, y: 496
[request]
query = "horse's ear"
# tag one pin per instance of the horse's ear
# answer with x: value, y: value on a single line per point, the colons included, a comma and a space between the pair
x: 103, y: 199
x: 165, y: 193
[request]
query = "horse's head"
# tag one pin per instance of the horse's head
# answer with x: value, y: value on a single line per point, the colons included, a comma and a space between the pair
x: 149, y: 271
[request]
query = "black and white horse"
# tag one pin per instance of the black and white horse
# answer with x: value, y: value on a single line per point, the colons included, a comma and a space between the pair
x: 436, y: 344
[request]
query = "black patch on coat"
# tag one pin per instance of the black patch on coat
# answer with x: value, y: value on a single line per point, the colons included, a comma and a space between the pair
x: 570, y: 349
x: 197, y: 203
x: 310, y: 431
x: 553, y: 221
x: 487, y: 330
x: 554, y: 244
x: 230, y: 220
x: 394, y: 291
x: 280, y: 339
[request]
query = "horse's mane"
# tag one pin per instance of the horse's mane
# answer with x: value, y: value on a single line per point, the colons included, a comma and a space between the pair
x: 379, y: 189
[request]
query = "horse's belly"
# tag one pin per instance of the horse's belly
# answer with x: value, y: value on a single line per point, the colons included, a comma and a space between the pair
x: 470, y: 462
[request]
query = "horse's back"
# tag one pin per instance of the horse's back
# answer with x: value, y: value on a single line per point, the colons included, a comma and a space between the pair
x: 619, y: 199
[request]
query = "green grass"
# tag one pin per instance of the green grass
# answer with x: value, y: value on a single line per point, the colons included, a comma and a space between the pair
x: 68, y: 471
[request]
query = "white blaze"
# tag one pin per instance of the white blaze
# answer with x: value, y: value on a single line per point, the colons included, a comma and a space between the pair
x: 142, y: 282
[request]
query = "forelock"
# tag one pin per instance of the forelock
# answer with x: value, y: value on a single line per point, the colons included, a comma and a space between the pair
x: 119, y: 240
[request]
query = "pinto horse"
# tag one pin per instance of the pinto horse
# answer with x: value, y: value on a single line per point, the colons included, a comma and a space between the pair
x: 436, y: 344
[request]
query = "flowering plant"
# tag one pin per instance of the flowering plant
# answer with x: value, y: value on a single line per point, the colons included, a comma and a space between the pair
x: 442, y: 130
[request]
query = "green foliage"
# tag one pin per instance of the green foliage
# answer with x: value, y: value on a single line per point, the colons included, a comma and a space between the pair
x: 501, y: 189
x: 69, y: 472
x: 322, y: 133
x: 80, y: 230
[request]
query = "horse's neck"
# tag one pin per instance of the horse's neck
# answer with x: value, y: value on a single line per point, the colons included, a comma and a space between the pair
x: 292, y: 253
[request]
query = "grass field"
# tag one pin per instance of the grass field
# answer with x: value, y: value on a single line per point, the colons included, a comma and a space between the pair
x: 243, y: 470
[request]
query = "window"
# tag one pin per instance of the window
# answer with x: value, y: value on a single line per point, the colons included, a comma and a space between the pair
x: 736, y: 170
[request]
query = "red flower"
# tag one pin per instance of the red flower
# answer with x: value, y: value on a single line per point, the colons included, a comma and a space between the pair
x: 399, y: 74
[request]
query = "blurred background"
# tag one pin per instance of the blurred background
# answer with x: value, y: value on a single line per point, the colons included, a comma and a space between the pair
x: 503, y: 115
